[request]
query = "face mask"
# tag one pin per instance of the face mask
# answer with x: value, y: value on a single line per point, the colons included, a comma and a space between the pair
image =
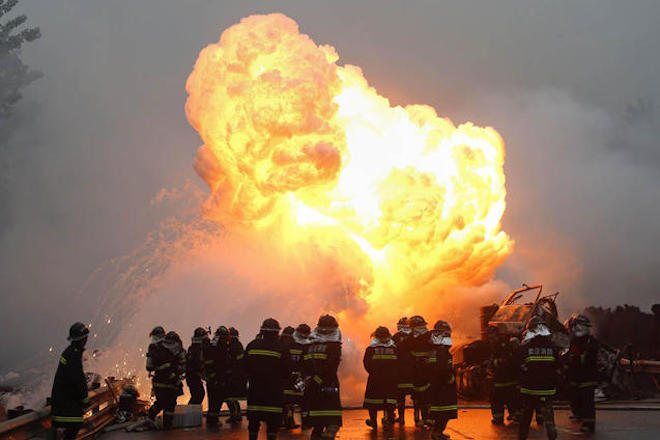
x: 441, y: 340
x: 580, y: 330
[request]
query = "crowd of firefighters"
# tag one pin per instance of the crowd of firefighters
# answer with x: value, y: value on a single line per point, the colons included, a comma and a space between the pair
x: 282, y: 370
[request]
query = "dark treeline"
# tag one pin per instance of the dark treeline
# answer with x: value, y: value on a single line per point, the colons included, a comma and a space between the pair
x: 628, y: 329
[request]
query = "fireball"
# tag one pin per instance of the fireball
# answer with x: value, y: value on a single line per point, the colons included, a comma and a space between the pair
x: 302, y: 150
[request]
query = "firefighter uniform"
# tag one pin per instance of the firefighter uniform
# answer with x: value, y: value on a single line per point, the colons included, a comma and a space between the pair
x: 381, y: 362
x: 504, y: 389
x: 419, y: 348
x: 237, y: 389
x: 166, y: 360
x: 582, y: 377
x: 440, y: 371
x: 293, y: 394
x: 217, y: 365
x: 69, y: 394
x: 195, y: 366
x: 404, y: 367
x: 322, y: 393
x: 266, y: 367
x: 539, y: 365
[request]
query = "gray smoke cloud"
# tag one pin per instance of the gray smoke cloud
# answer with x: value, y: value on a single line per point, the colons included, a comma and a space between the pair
x: 571, y: 86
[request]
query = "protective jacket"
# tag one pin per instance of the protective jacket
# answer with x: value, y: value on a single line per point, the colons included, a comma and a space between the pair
x: 69, y: 394
x: 194, y: 361
x: 539, y: 364
x: 419, y: 351
x: 381, y: 362
x: 217, y: 364
x: 266, y: 365
x: 405, y: 365
x: 582, y: 361
x: 237, y: 389
x: 503, y: 365
x: 442, y: 395
x: 167, y: 361
x: 322, y: 394
x: 295, y: 352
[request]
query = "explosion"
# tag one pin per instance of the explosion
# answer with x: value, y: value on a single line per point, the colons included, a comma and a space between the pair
x: 304, y: 153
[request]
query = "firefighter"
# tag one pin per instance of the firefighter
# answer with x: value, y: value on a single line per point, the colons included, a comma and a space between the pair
x: 582, y: 372
x: 405, y: 367
x: 419, y: 352
x: 195, y: 366
x: 381, y: 362
x: 322, y: 385
x: 292, y: 391
x: 166, y: 360
x: 237, y: 389
x: 302, y: 338
x: 69, y: 394
x: 266, y: 367
x: 504, y: 373
x: 217, y: 366
x: 538, y: 377
x: 443, y: 399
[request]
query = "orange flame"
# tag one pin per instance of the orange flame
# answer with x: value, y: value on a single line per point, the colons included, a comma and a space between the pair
x: 305, y: 149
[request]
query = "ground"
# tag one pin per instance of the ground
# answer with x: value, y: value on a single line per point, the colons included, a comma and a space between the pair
x: 471, y: 424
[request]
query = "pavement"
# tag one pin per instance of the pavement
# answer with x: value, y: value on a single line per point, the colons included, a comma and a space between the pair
x: 472, y: 424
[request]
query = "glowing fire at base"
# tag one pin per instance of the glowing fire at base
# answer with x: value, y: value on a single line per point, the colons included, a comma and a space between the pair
x: 302, y: 150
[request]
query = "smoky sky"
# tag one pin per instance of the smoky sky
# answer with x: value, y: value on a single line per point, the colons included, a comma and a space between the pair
x: 573, y: 88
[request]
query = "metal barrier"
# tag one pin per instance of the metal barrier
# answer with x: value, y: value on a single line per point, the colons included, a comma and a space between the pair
x: 641, y: 366
x: 99, y: 412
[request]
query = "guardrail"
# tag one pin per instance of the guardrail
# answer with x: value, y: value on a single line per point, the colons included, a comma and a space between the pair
x: 641, y: 366
x: 98, y: 414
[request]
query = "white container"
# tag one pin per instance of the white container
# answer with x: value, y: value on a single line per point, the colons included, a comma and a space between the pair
x: 187, y: 416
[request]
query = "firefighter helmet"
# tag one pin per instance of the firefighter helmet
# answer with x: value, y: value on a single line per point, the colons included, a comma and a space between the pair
x: 382, y: 333
x: 233, y: 331
x: 158, y: 332
x: 403, y: 321
x: 582, y: 320
x: 327, y: 321
x: 270, y: 325
x: 222, y: 332
x: 78, y: 332
x: 288, y: 330
x: 173, y: 336
x: 416, y: 321
x: 200, y: 332
x: 303, y: 330
x: 442, y: 327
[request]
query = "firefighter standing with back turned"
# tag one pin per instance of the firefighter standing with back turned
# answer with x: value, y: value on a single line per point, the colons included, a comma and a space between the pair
x: 236, y: 389
x: 405, y: 367
x: 419, y: 350
x: 266, y: 365
x: 582, y: 372
x: 69, y: 394
x: 538, y: 377
x: 293, y: 392
x: 504, y: 372
x: 442, y: 394
x: 322, y: 385
x: 217, y: 361
x: 195, y: 366
x: 381, y: 361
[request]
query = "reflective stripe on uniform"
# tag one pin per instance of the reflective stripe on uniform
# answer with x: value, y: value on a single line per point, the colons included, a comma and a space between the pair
x: 405, y: 385
x: 259, y: 352
x: 68, y: 419
x: 549, y: 392
x: 63, y: 360
x: 239, y: 357
x: 85, y: 400
x: 318, y: 380
x: 587, y: 384
x: 293, y: 393
x: 374, y: 401
x: 309, y: 356
x: 385, y: 356
x: 164, y: 366
x: 271, y: 409
x: 419, y: 353
x: 295, y: 351
x: 391, y: 401
x: 540, y: 359
x: 444, y: 408
x: 322, y: 413
x: 423, y: 387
